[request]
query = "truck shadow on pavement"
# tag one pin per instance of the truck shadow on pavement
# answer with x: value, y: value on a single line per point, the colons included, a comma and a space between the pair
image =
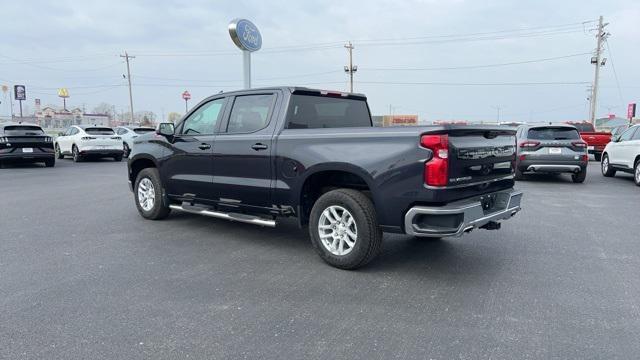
x: 400, y: 253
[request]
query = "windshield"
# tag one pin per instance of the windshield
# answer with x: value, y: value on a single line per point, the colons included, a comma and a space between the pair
x: 143, y: 130
x: 99, y: 131
x: 553, y: 133
x: 22, y: 130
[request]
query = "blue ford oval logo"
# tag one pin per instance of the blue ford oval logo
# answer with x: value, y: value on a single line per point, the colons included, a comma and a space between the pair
x: 245, y: 35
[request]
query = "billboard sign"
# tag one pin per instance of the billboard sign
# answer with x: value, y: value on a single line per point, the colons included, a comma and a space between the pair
x: 19, y: 92
x: 631, y: 111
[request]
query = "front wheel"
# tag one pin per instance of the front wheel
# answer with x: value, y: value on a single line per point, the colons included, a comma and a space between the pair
x: 579, y: 177
x: 606, y: 168
x: 59, y: 154
x: 126, y: 150
x: 636, y: 173
x: 344, y: 229
x: 148, y: 195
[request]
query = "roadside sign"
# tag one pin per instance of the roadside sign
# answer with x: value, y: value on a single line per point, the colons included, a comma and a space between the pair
x: 245, y: 35
x: 19, y: 92
x: 63, y: 93
x: 186, y: 95
x: 631, y: 111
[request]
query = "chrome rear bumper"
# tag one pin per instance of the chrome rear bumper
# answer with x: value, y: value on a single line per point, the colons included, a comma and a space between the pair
x: 554, y: 168
x: 462, y: 216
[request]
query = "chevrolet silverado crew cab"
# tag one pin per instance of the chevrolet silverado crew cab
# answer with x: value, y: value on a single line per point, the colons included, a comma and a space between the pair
x: 258, y: 155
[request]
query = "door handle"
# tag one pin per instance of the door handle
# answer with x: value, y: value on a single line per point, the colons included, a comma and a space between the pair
x: 204, y: 146
x: 259, y: 146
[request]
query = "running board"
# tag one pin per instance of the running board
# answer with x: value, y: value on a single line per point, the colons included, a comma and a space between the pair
x: 249, y: 219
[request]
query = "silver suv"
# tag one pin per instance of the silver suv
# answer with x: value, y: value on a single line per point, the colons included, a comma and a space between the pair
x: 551, y: 149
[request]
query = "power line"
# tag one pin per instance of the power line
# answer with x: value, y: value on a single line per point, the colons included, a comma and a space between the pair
x: 615, y: 74
x: 477, y: 84
x: 476, y: 66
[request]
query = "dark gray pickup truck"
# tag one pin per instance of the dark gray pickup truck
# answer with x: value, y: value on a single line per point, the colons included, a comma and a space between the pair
x: 257, y: 155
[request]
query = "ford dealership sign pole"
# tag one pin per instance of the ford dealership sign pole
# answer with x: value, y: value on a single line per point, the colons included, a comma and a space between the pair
x: 247, y: 37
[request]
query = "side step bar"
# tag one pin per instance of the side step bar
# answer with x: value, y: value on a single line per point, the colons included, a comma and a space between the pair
x: 249, y: 219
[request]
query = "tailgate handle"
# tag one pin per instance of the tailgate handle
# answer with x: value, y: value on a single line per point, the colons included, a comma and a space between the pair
x: 259, y: 146
x: 204, y: 146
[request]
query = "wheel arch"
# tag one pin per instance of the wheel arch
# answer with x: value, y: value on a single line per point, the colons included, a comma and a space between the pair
x: 325, y: 177
x: 138, y: 164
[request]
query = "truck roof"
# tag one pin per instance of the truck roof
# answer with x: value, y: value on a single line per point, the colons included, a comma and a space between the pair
x: 296, y: 89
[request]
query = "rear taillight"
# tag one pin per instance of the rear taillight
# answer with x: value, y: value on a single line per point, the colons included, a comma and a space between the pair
x: 48, y: 139
x: 86, y: 138
x: 436, y: 170
x: 584, y: 158
x: 3, y: 140
x: 529, y: 144
x: 579, y: 144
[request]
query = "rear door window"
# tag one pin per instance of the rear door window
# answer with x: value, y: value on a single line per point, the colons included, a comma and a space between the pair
x: 250, y: 113
x: 99, y: 131
x: 553, y: 133
x: 23, y: 130
x: 313, y: 112
x: 626, y: 136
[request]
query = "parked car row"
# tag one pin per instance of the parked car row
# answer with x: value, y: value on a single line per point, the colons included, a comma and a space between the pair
x: 29, y: 143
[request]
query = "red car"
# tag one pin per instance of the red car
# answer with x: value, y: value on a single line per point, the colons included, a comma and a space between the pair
x: 596, y: 140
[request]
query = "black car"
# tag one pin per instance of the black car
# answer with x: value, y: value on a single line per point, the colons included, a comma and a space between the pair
x: 258, y: 155
x: 551, y: 149
x: 25, y: 143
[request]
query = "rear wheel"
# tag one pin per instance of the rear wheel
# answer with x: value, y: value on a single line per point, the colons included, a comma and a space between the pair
x: 605, y: 166
x: 126, y: 149
x: 76, y: 154
x: 50, y: 163
x: 597, y: 156
x: 636, y: 173
x: 344, y: 229
x: 148, y: 195
x: 579, y: 177
x: 59, y: 154
x: 118, y: 157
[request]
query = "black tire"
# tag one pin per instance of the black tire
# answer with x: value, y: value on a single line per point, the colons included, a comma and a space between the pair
x: 597, y: 156
x: 76, y: 154
x: 369, y: 236
x: 126, y: 149
x: 579, y: 177
x: 50, y: 163
x: 636, y: 173
x: 59, y: 153
x: 605, y: 167
x: 117, y: 158
x: 160, y: 209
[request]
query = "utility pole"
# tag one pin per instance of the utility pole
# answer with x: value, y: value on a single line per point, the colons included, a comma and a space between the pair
x: 498, y: 108
x: 127, y: 57
x: 350, y: 69
x: 598, y: 61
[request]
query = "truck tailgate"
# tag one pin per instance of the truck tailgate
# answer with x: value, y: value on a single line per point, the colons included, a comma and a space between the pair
x: 478, y: 155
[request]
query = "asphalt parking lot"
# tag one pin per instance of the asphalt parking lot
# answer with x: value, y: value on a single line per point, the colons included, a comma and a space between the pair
x: 83, y: 276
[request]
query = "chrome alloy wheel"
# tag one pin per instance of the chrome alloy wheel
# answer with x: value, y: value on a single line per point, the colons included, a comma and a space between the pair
x: 638, y: 174
x: 338, y: 230
x: 605, y: 164
x: 146, y: 194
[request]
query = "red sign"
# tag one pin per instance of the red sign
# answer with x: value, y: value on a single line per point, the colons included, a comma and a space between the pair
x: 186, y: 95
x: 631, y: 111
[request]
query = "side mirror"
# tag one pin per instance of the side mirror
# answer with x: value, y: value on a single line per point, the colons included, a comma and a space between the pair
x: 165, y: 129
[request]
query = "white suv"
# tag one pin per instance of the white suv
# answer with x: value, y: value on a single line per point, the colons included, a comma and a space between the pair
x: 84, y: 141
x: 623, y: 154
x: 128, y: 133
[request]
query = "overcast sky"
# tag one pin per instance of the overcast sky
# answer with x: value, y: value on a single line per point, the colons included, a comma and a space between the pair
x: 185, y: 45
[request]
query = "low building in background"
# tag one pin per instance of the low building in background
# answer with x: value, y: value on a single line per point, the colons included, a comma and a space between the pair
x: 400, y: 120
x: 49, y: 117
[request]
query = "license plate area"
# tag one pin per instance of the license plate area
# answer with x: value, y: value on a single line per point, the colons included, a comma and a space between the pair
x: 555, y: 151
x: 27, y: 150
